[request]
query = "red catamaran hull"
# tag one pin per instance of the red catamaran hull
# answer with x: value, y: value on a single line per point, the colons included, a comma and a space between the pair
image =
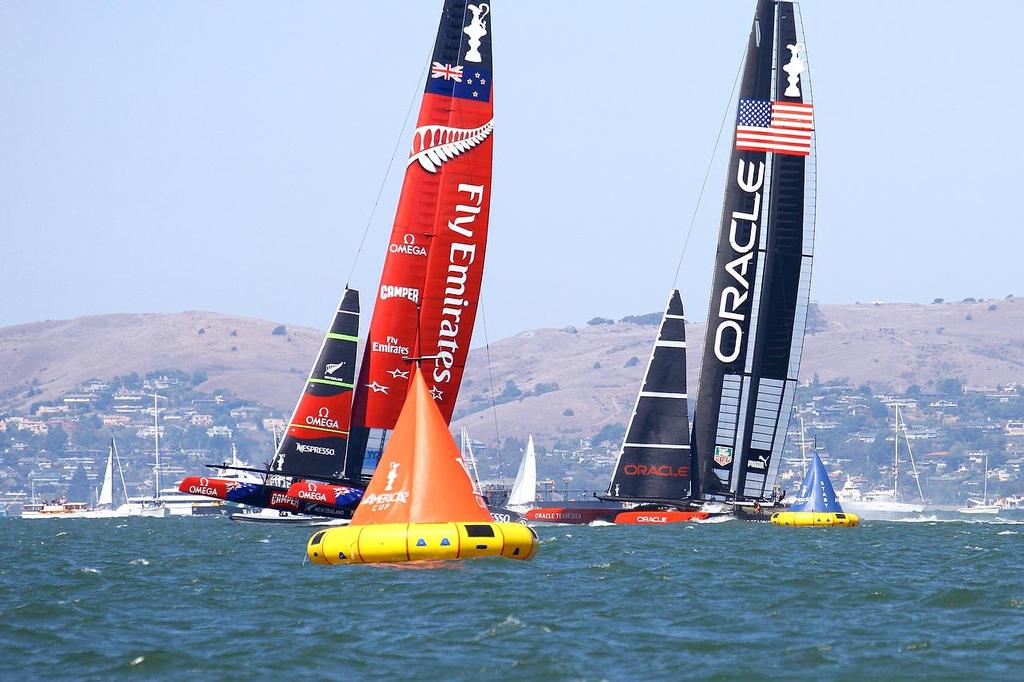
x: 646, y: 518
x: 576, y: 515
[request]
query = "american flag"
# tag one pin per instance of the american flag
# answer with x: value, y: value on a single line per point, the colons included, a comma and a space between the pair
x: 446, y: 71
x: 781, y: 127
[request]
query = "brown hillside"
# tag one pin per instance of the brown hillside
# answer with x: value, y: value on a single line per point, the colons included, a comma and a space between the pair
x: 237, y: 353
x: 887, y: 344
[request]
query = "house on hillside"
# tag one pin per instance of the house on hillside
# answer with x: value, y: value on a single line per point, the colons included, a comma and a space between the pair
x: 80, y: 398
x: 276, y: 425
x: 51, y: 409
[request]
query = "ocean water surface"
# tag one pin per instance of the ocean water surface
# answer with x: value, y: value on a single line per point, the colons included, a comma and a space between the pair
x: 166, y: 598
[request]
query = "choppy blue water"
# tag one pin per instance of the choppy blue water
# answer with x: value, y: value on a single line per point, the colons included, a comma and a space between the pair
x: 91, y: 599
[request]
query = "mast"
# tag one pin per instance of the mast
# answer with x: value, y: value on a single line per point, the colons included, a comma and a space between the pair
x: 156, y: 444
x: 761, y: 286
x: 120, y: 470
x: 654, y: 461
x: 430, y: 285
x: 803, y: 445
x: 466, y: 449
x: 984, y: 495
x: 896, y: 457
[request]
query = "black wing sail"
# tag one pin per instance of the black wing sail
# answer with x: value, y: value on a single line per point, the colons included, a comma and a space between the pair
x: 654, y: 464
x: 761, y: 284
x: 315, y: 440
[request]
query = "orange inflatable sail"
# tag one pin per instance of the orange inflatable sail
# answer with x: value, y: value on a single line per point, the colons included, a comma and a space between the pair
x: 421, y: 477
x: 420, y: 504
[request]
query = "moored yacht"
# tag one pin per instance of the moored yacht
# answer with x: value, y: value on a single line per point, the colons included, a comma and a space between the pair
x: 886, y: 502
x: 982, y: 506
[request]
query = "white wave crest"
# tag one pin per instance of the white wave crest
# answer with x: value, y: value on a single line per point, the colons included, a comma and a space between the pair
x: 717, y: 519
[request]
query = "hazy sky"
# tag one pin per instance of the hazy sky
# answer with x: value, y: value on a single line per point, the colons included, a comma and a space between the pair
x: 164, y: 156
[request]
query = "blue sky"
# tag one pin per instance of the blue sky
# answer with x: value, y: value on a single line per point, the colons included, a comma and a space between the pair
x: 225, y: 156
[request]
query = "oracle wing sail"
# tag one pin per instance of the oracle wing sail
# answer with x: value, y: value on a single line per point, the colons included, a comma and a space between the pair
x: 761, y: 284
x: 430, y: 286
x: 315, y: 440
x: 654, y: 463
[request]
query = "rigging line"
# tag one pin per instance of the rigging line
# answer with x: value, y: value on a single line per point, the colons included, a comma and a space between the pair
x: 490, y: 377
x: 387, y: 173
x: 707, y: 173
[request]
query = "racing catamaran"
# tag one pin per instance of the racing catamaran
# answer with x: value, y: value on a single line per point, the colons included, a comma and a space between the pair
x: 426, y: 301
x: 761, y: 286
x: 729, y: 460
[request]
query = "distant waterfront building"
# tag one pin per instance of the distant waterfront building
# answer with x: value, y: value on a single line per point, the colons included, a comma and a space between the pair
x: 218, y: 432
x: 51, y: 409
x: 80, y: 398
x: 115, y: 420
x: 1015, y: 428
x: 278, y: 424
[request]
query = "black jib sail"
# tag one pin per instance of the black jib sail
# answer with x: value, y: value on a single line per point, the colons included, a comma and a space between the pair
x: 315, y: 440
x: 762, y: 274
x: 654, y: 463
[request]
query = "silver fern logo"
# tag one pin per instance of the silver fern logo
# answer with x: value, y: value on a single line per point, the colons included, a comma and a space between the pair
x: 433, y: 145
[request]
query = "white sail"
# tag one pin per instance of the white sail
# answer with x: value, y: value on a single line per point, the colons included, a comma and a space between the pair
x: 107, y: 491
x: 524, y: 490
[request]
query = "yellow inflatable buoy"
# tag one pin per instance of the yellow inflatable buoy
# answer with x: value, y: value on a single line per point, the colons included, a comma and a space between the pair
x: 394, y: 542
x: 810, y: 518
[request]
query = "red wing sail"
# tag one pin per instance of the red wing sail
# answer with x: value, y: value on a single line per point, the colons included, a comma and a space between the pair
x: 431, y: 279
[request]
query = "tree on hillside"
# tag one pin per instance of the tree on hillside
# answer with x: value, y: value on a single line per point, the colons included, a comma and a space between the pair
x: 79, y: 489
x: 613, y: 433
x: 949, y: 386
x: 510, y: 392
x: 56, y: 439
x: 815, y: 320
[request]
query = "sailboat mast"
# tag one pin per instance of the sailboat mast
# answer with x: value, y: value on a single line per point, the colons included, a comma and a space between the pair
x: 896, y: 457
x: 984, y: 495
x: 803, y: 445
x: 156, y: 444
x: 120, y: 471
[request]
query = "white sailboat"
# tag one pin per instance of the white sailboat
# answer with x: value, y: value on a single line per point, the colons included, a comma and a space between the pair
x: 888, y: 501
x: 104, y: 508
x: 982, y: 506
x: 524, y: 491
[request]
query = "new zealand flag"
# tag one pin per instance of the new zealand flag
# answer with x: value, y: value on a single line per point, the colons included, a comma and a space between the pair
x: 461, y: 63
